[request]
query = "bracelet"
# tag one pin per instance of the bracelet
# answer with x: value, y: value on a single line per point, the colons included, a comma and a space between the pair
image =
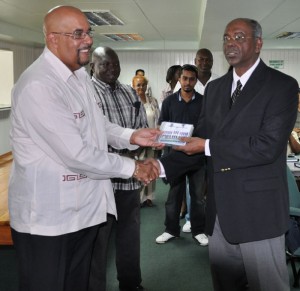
x: 136, y: 170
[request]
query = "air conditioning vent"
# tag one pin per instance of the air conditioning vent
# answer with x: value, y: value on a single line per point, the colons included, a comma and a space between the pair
x: 99, y: 18
x: 288, y: 35
x: 123, y: 36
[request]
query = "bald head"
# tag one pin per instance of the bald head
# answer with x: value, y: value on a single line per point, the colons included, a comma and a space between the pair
x: 60, y: 25
x: 105, y: 65
x: 204, y: 61
x: 204, y: 51
x: 58, y: 17
x: 101, y: 52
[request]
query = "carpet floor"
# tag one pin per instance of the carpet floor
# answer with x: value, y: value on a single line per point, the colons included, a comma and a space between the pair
x: 179, y: 265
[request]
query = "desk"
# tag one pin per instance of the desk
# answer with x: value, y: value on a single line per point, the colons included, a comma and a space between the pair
x: 5, y: 165
x: 5, y: 107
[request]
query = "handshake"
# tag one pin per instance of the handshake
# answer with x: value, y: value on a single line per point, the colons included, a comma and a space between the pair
x: 146, y: 170
x: 149, y: 169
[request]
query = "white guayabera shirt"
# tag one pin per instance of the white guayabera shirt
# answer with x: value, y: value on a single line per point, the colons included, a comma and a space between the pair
x: 60, y: 179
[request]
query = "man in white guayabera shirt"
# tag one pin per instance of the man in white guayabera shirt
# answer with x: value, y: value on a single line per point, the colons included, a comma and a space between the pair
x: 60, y: 189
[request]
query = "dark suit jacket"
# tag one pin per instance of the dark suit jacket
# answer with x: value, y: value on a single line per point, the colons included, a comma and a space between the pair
x: 247, y: 168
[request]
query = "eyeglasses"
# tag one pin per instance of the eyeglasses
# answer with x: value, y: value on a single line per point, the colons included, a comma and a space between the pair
x: 77, y: 34
x: 239, y: 37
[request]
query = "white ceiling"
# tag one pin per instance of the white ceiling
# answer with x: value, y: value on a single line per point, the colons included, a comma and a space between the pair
x: 164, y: 24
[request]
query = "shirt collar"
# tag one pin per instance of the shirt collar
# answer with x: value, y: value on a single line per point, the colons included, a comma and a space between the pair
x: 245, y: 77
x: 180, y: 98
x: 61, y: 69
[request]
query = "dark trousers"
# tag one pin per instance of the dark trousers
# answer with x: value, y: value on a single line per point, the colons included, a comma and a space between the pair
x: 197, y: 184
x: 59, y: 263
x: 127, y: 242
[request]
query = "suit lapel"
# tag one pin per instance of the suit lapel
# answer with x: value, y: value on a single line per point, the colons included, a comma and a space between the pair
x: 248, y: 93
x: 221, y: 106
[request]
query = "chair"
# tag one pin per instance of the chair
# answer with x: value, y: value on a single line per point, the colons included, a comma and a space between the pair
x: 294, y: 197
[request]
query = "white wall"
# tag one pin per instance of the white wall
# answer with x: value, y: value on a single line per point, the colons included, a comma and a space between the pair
x: 291, y: 60
x: 23, y: 57
x: 155, y: 64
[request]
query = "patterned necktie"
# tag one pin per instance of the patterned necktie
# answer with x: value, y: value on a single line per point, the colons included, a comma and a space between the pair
x: 236, y: 92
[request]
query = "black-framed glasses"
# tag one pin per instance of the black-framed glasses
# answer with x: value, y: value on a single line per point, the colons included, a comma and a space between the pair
x: 238, y: 37
x: 77, y: 34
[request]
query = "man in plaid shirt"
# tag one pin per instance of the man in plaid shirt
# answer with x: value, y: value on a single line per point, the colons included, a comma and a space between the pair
x: 122, y: 106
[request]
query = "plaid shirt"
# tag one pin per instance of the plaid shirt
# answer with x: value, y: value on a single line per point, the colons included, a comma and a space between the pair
x: 123, y: 107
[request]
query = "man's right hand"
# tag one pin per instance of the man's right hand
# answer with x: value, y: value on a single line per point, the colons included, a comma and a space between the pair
x: 193, y: 145
x: 146, y: 171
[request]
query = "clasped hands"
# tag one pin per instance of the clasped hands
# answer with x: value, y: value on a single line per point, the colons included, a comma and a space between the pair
x: 149, y: 169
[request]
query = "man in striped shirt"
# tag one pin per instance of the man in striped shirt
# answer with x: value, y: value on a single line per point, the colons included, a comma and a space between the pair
x: 122, y: 106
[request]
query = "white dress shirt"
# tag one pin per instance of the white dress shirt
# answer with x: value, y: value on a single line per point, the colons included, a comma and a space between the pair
x: 199, y: 87
x: 243, y: 79
x: 60, y: 178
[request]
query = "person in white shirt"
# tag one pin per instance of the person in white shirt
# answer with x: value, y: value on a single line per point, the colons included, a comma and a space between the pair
x: 204, y: 63
x: 60, y: 189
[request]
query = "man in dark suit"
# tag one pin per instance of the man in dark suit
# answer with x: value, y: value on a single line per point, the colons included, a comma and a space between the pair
x: 244, y: 138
